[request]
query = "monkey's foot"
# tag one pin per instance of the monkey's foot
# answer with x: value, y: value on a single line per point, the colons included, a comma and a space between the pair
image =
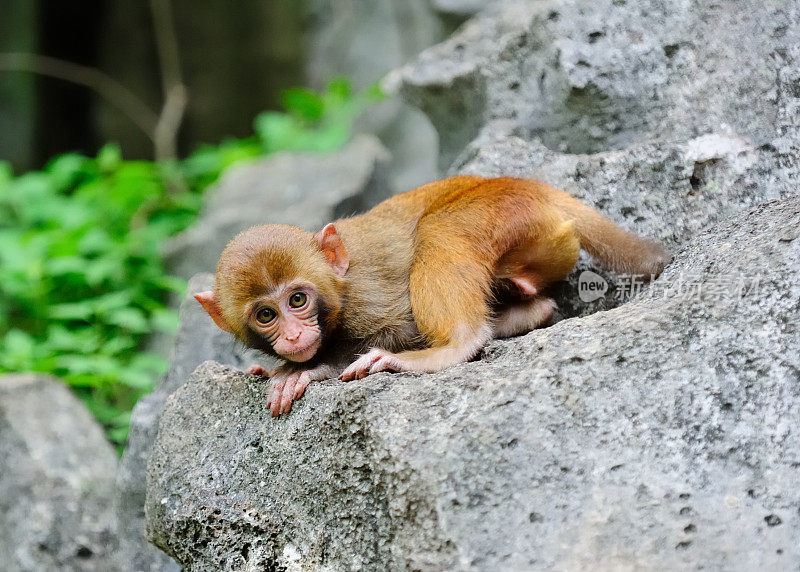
x: 373, y: 361
x: 522, y: 318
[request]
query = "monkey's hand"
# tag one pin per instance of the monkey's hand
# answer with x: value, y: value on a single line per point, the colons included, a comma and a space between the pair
x: 373, y: 361
x: 288, y: 384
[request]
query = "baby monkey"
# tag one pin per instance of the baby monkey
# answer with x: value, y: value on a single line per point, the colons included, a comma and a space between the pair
x: 419, y: 283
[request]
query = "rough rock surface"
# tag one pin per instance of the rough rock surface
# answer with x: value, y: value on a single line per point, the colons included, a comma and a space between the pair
x: 304, y: 189
x: 56, y: 480
x: 588, y: 76
x: 198, y: 339
x: 666, y: 116
x: 657, y: 435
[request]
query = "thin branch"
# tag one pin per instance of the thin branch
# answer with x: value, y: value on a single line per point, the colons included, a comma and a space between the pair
x: 162, y: 129
x: 107, y: 87
x: 175, y: 96
x: 169, y: 122
x: 167, y: 44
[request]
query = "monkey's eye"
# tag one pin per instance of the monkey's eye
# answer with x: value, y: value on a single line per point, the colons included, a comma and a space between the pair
x: 265, y: 315
x: 298, y: 299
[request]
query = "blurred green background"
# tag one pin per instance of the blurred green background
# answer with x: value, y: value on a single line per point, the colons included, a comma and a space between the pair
x: 115, y: 117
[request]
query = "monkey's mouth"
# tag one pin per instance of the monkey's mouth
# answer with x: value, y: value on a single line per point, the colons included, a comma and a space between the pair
x: 304, y: 353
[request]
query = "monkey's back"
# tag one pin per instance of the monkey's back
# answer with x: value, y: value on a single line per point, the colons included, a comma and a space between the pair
x: 462, y: 226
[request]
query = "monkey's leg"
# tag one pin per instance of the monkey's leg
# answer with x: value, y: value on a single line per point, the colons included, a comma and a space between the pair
x: 523, y: 317
x: 547, y: 254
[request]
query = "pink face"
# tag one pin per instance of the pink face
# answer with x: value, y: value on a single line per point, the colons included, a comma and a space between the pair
x: 289, y: 321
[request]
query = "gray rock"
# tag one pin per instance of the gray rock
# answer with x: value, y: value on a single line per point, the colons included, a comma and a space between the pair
x: 363, y: 40
x: 56, y: 480
x: 460, y: 7
x: 658, y: 435
x: 665, y: 117
x: 588, y: 76
x: 198, y: 339
x: 304, y: 189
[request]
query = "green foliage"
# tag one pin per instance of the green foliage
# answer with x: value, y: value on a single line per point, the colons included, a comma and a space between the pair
x: 313, y: 121
x: 79, y: 285
x: 82, y: 284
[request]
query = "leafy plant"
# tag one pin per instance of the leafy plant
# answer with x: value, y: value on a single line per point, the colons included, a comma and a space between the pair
x: 82, y: 283
x: 313, y: 121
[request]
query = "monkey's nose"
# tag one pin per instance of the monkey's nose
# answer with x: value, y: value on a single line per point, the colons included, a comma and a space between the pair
x: 293, y: 337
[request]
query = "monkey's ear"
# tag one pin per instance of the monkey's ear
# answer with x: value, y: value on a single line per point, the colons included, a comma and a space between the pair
x: 209, y: 303
x: 331, y: 245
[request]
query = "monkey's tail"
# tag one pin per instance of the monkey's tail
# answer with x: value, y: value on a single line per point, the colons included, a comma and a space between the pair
x: 617, y: 249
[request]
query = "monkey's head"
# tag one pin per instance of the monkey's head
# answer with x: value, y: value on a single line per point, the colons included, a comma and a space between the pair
x: 279, y: 289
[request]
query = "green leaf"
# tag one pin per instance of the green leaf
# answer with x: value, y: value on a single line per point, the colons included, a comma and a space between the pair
x: 170, y: 283
x: 119, y: 344
x: 129, y: 319
x: 339, y: 87
x: 73, y: 340
x: 66, y: 170
x: 66, y: 265
x: 304, y: 103
x: 17, y: 351
x: 119, y: 434
x: 143, y: 371
x: 112, y: 301
x: 95, y: 240
x: 109, y: 158
x: 374, y: 93
x: 83, y: 310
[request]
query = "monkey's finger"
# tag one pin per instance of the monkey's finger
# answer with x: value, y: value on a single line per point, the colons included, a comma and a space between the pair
x: 366, y: 366
x: 347, y: 374
x: 287, y: 394
x: 274, y: 395
x: 301, y: 385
